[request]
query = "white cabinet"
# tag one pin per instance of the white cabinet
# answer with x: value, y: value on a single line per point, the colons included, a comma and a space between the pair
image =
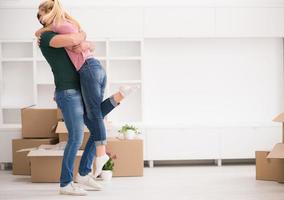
x: 182, y: 143
x: 6, y: 138
x: 242, y: 142
x: 250, y: 22
x: 110, y: 21
x: 17, y: 84
x: 125, y: 67
x: 26, y: 77
x: 195, y: 143
x: 179, y: 22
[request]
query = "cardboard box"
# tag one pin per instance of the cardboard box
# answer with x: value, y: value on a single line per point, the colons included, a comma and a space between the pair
x: 129, y: 159
x: 62, y: 133
x: 46, y: 165
x: 21, y: 165
x: 268, y: 169
x: 270, y: 165
x: 280, y: 118
x: 59, y: 115
x: 38, y: 122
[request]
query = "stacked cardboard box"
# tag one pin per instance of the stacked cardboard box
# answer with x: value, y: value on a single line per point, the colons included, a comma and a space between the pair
x: 46, y: 165
x: 270, y: 164
x: 38, y: 122
x: 129, y: 153
x: 21, y: 165
x: 62, y: 133
x: 46, y: 127
x: 38, y: 127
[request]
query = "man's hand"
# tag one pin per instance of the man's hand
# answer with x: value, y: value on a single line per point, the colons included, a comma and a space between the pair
x: 42, y: 30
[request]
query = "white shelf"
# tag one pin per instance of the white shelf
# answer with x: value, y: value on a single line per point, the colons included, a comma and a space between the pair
x: 7, y: 127
x: 45, y: 94
x: 126, y: 58
x: 26, y: 78
x: 16, y: 59
x: 17, y: 49
x: 15, y: 106
x: 11, y: 116
x: 129, y: 110
x: 17, y: 83
x: 43, y: 73
x: 124, y: 70
x: 100, y: 48
x: 124, y: 49
x: 135, y: 82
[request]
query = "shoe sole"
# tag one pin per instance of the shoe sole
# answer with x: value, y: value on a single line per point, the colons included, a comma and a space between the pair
x: 89, y: 188
x: 71, y: 194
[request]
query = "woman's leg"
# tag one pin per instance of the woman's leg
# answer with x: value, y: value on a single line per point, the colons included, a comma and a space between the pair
x: 93, y: 80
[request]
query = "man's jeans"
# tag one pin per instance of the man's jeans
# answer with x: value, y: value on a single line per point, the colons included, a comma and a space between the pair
x: 71, y: 104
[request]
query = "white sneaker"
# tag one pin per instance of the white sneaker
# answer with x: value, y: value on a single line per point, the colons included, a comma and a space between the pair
x: 126, y: 90
x: 88, y: 181
x: 100, y: 162
x: 72, y: 189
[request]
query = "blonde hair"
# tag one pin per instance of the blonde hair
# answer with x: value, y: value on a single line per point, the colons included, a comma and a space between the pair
x: 55, y: 13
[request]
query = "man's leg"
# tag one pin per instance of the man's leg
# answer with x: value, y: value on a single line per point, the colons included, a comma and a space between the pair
x: 71, y: 105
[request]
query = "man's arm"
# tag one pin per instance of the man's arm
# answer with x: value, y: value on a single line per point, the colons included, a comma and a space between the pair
x: 83, y: 46
x: 67, y: 40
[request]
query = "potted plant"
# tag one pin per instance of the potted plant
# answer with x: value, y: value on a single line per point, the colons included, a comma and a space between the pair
x: 128, y: 131
x: 108, y: 168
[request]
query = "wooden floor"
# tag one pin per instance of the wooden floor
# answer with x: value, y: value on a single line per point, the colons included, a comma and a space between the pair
x: 159, y: 183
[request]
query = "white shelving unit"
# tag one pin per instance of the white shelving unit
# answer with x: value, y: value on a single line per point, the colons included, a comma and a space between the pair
x: 26, y: 78
x: 124, y: 66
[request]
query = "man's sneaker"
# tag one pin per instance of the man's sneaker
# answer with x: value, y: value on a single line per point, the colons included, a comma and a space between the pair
x: 88, y: 181
x: 100, y: 162
x: 126, y: 90
x: 72, y: 189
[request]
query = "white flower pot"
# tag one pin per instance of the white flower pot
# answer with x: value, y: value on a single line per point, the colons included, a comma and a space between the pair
x: 129, y: 135
x: 106, y: 175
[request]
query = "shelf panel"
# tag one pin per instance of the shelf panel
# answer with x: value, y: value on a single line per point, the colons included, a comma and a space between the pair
x: 15, y: 106
x: 43, y: 73
x: 124, y: 70
x: 8, y: 127
x: 17, y: 83
x: 100, y: 48
x: 45, y: 94
x: 125, y: 82
x: 11, y: 116
x: 126, y: 58
x: 16, y: 59
x: 124, y: 48
x: 130, y: 109
x: 38, y: 54
x: 103, y: 63
x: 17, y: 50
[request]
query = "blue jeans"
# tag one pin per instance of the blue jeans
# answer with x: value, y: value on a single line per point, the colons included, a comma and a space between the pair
x: 93, y: 82
x: 72, y: 107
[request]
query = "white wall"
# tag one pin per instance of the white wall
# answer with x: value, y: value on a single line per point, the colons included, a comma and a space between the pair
x: 232, y: 3
x: 213, y: 81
